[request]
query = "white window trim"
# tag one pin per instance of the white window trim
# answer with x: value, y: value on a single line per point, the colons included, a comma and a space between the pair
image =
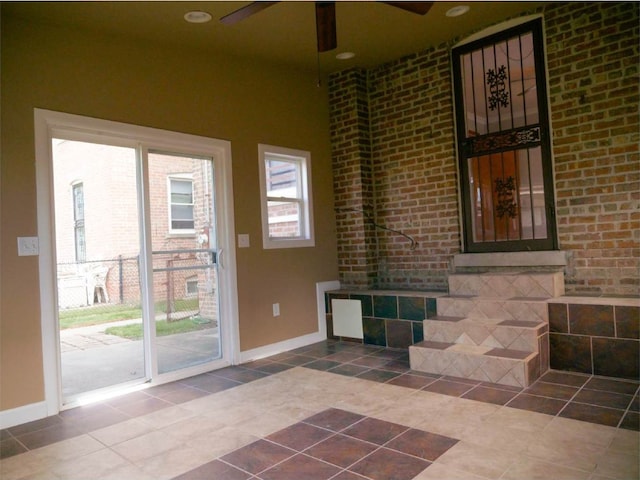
x: 307, y: 239
x: 179, y: 231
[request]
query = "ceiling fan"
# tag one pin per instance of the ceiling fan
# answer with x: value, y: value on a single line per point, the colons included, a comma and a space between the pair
x: 325, y: 18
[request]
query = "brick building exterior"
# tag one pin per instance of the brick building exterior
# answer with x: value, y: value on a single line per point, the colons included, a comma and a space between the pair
x: 393, y: 138
x: 110, y: 223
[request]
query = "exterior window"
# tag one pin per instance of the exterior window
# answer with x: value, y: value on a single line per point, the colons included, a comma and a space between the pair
x: 286, y: 197
x: 191, y: 286
x: 78, y: 223
x: 181, y: 204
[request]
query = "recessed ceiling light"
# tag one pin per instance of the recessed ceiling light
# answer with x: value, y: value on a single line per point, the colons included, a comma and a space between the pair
x: 345, y: 55
x: 457, y: 11
x: 197, y: 17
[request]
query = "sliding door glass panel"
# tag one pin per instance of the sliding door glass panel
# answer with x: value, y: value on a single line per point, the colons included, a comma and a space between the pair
x: 97, y: 247
x: 184, y: 260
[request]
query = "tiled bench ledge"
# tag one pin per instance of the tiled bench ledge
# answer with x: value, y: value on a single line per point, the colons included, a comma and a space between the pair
x: 598, y: 300
x: 595, y: 335
x: 390, y: 318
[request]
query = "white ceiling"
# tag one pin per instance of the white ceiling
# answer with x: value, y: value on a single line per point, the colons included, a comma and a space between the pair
x: 283, y: 33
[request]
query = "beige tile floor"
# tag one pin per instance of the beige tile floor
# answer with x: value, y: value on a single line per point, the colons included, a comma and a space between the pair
x: 495, y: 442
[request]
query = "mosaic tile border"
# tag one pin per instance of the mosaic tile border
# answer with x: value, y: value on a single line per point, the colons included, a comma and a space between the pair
x: 335, y: 444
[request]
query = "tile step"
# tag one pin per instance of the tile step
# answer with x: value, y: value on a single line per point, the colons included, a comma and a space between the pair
x: 509, y: 334
x: 494, y: 308
x: 508, y: 284
x: 496, y: 365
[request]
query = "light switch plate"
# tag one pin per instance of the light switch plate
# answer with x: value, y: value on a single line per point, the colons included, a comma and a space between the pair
x: 243, y: 240
x: 28, y: 246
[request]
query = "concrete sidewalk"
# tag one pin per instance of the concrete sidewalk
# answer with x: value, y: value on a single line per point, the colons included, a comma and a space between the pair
x: 91, y: 359
x: 84, y: 338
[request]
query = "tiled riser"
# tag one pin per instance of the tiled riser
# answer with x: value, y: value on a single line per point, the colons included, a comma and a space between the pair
x: 504, y: 371
x: 507, y: 285
x: 495, y: 309
x: 388, y: 319
x: 491, y: 327
x: 595, y: 339
x: 473, y: 333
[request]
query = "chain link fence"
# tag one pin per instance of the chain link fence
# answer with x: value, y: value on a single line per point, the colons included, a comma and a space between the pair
x: 112, y: 287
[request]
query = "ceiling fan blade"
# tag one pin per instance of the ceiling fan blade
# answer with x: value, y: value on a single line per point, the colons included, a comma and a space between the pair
x: 244, y: 12
x: 421, y: 8
x: 326, y: 26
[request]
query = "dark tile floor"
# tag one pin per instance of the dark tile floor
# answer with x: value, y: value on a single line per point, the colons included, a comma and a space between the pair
x: 607, y: 401
x: 600, y: 400
x: 332, y: 442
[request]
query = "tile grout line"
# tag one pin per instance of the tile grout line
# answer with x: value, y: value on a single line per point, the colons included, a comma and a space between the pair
x: 572, y: 397
x: 628, y: 409
x: 302, y: 452
x: 378, y: 446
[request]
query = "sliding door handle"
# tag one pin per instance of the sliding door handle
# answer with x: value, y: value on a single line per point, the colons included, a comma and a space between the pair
x: 220, y: 258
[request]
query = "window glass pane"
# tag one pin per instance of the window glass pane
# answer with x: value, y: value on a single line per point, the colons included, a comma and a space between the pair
x: 182, y: 224
x: 181, y: 212
x: 78, y: 202
x: 479, y: 97
x: 181, y: 204
x: 181, y: 191
x: 525, y: 195
x: 537, y: 190
x: 192, y: 286
x: 283, y: 178
x: 284, y: 219
x: 500, y: 86
x: 81, y: 249
x: 181, y: 198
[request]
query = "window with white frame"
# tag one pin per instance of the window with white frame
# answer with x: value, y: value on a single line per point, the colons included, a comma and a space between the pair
x: 285, y: 186
x: 78, y: 222
x: 181, y: 218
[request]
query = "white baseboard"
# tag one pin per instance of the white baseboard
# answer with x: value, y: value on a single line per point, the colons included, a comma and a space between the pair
x: 25, y: 414
x: 284, y: 346
x: 304, y: 340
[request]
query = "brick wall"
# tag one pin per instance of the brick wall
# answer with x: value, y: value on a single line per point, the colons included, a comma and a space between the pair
x: 396, y: 122
x: 353, y: 188
x: 413, y: 168
x: 592, y: 59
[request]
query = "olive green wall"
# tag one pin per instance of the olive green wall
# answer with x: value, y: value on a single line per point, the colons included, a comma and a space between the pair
x: 185, y: 91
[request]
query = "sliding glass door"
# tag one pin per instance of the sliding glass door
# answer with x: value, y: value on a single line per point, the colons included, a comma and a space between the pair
x: 139, y: 222
x: 185, y: 254
x: 98, y: 278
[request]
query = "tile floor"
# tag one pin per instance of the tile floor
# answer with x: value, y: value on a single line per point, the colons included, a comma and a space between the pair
x: 338, y: 411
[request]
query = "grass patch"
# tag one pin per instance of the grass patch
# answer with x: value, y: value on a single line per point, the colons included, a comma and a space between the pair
x: 83, y: 317
x: 163, y: 328
x: 105, y: 313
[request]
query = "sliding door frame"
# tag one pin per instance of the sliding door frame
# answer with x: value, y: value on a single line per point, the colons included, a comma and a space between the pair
x: 48, y: 124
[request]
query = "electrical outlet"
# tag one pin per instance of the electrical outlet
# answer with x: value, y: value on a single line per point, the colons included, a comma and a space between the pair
x: 28, y: 246
x: 276, y: 309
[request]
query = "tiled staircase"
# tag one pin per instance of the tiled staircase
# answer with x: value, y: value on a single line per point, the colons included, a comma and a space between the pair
x: 491, y: 327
